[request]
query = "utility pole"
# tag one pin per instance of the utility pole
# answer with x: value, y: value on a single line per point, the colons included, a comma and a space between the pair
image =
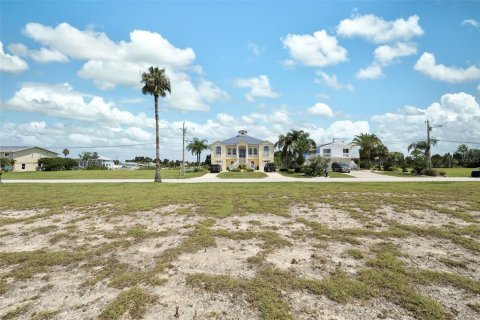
x: 429, y: 159
x: 184, y: 130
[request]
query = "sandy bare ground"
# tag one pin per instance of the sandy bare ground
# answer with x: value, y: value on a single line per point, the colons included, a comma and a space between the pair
x: 85, y: 287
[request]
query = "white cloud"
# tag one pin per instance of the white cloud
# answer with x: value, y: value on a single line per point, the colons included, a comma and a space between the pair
x: 110, y: 63
x: 255, y: 49
x: 471, y: 22
x: 384, y: 56
x: 259, y: 87
x: 344, y: 129
x: 45, y: 55
x: 378, y: 30
x: 62, y: 101
x: 320, y: 109
x: 332, y: 81
x: 19, y: 49
x: 458, y: 115
x: 225, y: 118
x: 210, y: 92
x: 373, y: 71
x: 387, y: 54
x: 11, y: 64
x: 318, y: 50
x: 428, y: 66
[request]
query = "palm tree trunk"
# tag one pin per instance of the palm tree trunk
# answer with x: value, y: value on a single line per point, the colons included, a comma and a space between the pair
x: 158, y: 178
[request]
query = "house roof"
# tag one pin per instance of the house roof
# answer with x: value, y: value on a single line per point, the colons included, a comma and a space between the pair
x: 247, y: 139
x: 20, y: 148
x: 334, y: 142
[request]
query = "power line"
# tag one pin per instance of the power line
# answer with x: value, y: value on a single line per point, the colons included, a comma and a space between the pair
x: 466, y: 142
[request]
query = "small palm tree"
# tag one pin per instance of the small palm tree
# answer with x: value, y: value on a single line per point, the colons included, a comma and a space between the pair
x: 196, y: 147
x: 66, y: 152
x: 422, y: 145
x: 156, y: 83
x: 293, y: 146
x: 367, y: 143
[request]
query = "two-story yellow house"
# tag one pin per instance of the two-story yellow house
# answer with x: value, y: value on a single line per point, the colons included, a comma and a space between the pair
x: 242, y: 149
x: 26, y: 158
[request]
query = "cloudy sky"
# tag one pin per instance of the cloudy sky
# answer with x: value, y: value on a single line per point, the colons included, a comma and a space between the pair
x: 70, y: 72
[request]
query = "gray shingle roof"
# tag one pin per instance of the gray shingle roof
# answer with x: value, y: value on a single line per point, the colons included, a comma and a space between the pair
x: 247, y: 139
x: 12, y: 148
x: 19, y: 148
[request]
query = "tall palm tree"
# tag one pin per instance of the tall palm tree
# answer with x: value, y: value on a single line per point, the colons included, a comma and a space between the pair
x: 196, y: 147
x: 66, y: 152
x: 367, y: 143
x: 156, y: 83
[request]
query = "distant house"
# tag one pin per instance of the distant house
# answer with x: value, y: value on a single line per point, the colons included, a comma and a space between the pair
x: 338, y: 151
x: 242, y: 149
x: 100, y: 161
x: 26, y: 158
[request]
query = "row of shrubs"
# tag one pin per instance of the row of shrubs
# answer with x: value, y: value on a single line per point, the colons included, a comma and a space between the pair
x: 425, y: 172
x: 240, y: 168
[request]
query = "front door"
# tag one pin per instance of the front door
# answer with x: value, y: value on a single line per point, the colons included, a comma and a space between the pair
x: 242, y: 152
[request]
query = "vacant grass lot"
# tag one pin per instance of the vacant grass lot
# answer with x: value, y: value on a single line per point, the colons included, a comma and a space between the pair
x: 240, y: 251
x: 98, y: 174
x: 241, y: 175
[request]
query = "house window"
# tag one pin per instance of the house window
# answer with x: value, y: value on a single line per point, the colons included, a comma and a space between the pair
x: 250, y: 152
x: 327, y: 153
x: 229, y: 151
x: 7, y: 154
x: 234, y: 151
x: 218, y: 150
x: 255, y: 151
x: 23, y: 166
x: 345, y: 153
x: 266, y: 150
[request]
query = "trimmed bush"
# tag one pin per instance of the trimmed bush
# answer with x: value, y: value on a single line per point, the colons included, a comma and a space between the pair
x: 430, y: 172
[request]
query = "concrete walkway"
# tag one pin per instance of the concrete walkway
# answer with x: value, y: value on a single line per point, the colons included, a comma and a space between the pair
x: 360, y: 176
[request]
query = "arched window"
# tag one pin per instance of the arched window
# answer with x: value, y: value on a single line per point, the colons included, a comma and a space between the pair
x: 265, y: 149
x: 218, y: 150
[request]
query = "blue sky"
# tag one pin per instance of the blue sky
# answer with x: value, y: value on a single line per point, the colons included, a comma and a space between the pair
x: 70, y: 72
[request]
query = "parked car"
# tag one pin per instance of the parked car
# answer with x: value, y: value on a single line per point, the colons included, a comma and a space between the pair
x: 270, y: 167
x: 476, y: 173
x: 215, y: 168
x: 340, y: 167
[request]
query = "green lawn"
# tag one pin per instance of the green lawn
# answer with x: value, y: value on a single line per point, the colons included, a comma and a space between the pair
x: 331, y: 174
x: 98, y: 174
x: 457, y: 172
x: 241, y: 175
x: 451, y: 172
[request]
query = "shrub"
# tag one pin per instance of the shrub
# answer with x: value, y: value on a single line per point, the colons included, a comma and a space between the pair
x: 430, y: 172
x: 56, y: 164
x: 242, y: 166
x: 316, y: 167
x: 442, y: 173
x: 198, y: 170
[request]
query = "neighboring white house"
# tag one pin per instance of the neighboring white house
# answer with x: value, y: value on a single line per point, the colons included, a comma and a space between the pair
x: 339, y: 151
x: 26, y: 158
x: 100, y: 161
x: 242, y: 149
